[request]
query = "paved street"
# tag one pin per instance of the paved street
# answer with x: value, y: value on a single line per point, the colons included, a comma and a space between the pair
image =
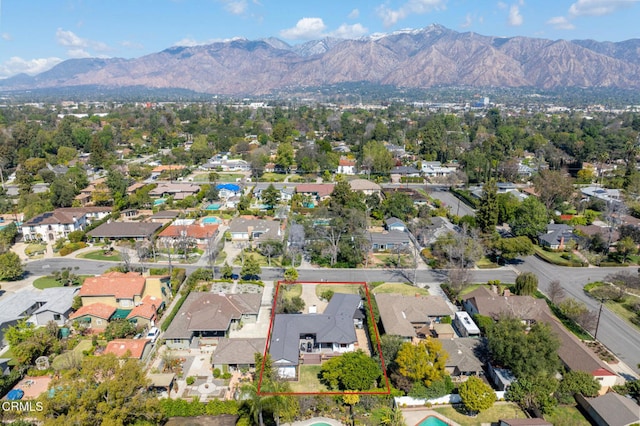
x: 621, y: 338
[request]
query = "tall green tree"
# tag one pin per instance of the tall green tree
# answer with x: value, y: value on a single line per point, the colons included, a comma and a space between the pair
x: 487, y: 213
x: 534, y: 393
x: 476, y: 395
x: 104, y: 390
x: 10, y: 266
x: 530, y: 219
x: 250, y: 267
x: 285, y: 156
x: 422, y: 362
x: 526, y: 284
x: 576, y: 382
x: 270, y: 196
x: 350, y: 371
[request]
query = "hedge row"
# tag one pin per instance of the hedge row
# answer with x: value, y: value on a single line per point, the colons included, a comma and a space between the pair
x: 466, y: 197
x: 182, y: 408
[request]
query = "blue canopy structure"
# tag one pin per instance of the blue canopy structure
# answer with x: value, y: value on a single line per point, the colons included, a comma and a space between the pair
x: 15, y: 394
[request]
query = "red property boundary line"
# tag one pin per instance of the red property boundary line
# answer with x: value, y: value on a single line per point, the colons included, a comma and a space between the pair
x: 386, y: 391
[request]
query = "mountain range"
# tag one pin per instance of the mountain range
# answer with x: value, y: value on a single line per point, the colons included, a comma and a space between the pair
x: 428, y: 57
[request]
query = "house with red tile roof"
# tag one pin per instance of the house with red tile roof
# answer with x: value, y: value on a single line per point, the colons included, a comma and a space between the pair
x: 95, y: 315
x: 117, y: 289
x: 346, y: 166
x: 128, y: 348
x: 199, y: 233
x: 146, y: 313
x: 316, y: 191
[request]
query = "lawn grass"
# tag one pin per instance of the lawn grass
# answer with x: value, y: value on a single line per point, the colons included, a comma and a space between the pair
x: 48, y: 282
x: 567, y: 415
x: 290, y: 291
x: 486, y: 263
x: 262, y: 260
x: 555, y: 258
x: 229, y: 177
x: 399, y: 288
x: 388, y: 260
x: 222, y: 257
x: 99, y: 255
x: 273, y: 177
x: 338, y: 288
x: 622, y: 312
x: 501, y: 410
x: 308, y: 380
x: 32, y: 249
x: 83, y: 345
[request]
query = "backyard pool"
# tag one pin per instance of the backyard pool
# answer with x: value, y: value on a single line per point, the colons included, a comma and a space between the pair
x: 160, y: 201
x: 213, y: 207
x: 432, y: 421
x: 211, y: 220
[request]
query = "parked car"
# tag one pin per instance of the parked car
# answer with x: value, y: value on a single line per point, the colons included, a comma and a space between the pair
x: 235, y: 276
x: 153, y: 334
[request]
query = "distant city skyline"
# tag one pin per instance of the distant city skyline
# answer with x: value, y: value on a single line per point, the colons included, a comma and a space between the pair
x: 35, y: 35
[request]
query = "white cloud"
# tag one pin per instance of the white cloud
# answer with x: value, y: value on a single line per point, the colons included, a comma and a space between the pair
x: 502, y: 5
x: 468, y: 20
x: 599, y: 7
x: 305, y: 29
x: 515, y: 18
x: 17, y: 65
x: 78, y: 47
x: 349, y: 31
x: 411, y: 7
x: 235, y: 7
x: 354, y: 14
x: 561, y: 23
x: 6, y: 36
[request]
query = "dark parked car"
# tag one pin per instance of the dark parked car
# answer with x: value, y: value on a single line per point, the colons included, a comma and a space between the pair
x: 251, y: 277
x: 235, y: 276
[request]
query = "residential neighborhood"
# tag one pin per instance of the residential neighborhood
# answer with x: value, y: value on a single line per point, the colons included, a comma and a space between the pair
x: 409, y: 279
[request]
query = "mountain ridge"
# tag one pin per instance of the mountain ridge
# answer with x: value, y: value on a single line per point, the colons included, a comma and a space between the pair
x: 428, y: 57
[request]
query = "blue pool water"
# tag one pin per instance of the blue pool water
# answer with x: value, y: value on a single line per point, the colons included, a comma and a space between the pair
x: 321, y: 424
x: 213, y: 207
x: 210, y: 219
x: 160, y: 201
x: 432, y: 421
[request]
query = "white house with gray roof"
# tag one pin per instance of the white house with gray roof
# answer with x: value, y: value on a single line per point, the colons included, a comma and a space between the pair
x: 331, y: 332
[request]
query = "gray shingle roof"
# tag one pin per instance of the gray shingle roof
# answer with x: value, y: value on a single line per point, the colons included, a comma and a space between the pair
x: 398, y: 313
x: 334, y: 325
x: 238, y: 351
x: 124, y: 230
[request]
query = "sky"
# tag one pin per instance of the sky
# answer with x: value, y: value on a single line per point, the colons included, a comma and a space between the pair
x: 35, y: 35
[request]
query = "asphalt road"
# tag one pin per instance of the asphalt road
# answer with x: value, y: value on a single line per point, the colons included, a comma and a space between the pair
x: 621, y: 338
x: 449, y: 200
x: 616, y: 334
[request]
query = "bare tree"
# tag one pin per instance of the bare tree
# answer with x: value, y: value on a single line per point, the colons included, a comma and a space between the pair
x: 556, y: 292
x: 332, y: 235
x: 213, y: 250
x: 126, y: 259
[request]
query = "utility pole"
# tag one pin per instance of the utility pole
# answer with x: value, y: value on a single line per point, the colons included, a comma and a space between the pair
x: 595, y: 335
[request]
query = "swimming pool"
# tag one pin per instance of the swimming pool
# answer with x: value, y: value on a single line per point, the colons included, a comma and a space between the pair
x: 213, y: 207
x: 320, y: 424
x: 159, y: 201
x: 432, y: 421
x: 210, y: 220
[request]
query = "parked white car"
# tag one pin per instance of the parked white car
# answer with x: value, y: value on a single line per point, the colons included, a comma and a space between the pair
x: 153, y: 334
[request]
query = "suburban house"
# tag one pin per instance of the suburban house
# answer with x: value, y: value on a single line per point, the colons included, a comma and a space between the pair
x: 205, y: 318
x: 37, y: 307
x: 129, y: 348
x: 50, y: 226
x: 164, y: 216
x: 365, y: 186
x: 237, y: 354
x: 346, y: 166
x: 172, y: 170
x: 464, y: 358
x: 124, y: 290
x: 557, y: 236
x: 405, y: 171
x: 86, y: 194
x: 438, y: 227
x: 572, y: 352
x: 94, y: 315
x: 226, y: 165
x: 179, y: 191
x: 536, y: 421
x: 610, y: 409
x: 256, y: 230
x: 395, y: 224
x: 387, y: 241
x: 146, y: 312
x: 313, y: 337
x: 296, y: 238
x: 433, y: 169
x: 200, y: 233
x: 411, y: 316
x: 124, y: 231
x: 315, y: 191
x: 605, y: 194
x: 228, y: 190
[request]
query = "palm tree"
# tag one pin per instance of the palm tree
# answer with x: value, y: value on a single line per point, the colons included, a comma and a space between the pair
x: 256, y: 402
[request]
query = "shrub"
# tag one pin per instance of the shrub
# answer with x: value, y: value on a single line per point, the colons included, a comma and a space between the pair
x: 191, y: 380
x: 226, y: 376
x: 216, y: 373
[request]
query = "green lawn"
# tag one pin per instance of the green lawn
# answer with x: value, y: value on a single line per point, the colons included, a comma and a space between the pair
x: 273, y: 177
x: 229, y: 177
x: 486, y: 263
x: 100, y: 255
x: 501, y: 410
x: 32, y: 249
x: 566, y: 415
x: 48, y: 282
x: 308, y: 380
x: 622, y: 312
x: 400, y: 288
x: 290, y: 291
x: 275, y: 260
x: 222, y: 257
x: 556, y: 258
x: 338, y: 288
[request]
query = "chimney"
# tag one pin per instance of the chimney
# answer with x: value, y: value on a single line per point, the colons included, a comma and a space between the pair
x: 494, y: 288
x: 506, y: 293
